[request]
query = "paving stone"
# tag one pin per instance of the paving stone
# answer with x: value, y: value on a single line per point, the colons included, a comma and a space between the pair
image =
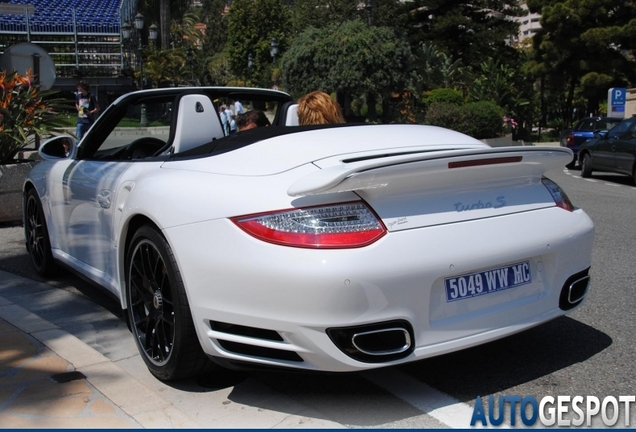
x: 64, y: 407
x: 16, y: 350
x: 100, y: 407
x: 46, y: 389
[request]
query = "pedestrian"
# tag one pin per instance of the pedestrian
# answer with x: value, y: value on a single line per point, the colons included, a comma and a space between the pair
x: 233, y: 125
x: 238, y: 107
x: 86, y: 106
x: 318, y: 108
x: 228, y: 115
x: 224, y: 119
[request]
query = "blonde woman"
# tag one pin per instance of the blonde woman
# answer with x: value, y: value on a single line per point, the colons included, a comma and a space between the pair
x: 318, y: 108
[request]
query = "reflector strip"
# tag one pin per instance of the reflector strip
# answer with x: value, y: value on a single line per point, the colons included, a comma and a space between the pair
x: 481, y: 162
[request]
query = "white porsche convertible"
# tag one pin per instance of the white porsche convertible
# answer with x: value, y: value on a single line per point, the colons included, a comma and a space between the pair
x: 329, y: 248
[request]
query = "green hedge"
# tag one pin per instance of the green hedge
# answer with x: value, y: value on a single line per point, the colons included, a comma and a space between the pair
x: 477, y: 119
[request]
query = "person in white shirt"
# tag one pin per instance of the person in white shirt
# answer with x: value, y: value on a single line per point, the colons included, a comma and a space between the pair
x: 228, y: 115
x: 224, y: 119
x: 233, y: 125
x: 238, y: 108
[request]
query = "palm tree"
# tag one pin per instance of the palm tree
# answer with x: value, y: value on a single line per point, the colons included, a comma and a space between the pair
x: 164, y: 20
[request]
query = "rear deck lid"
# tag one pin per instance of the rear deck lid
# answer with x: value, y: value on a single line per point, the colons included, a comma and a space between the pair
x: 416, y: 189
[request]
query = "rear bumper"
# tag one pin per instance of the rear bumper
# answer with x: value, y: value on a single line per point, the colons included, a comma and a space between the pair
x: 275, y: 304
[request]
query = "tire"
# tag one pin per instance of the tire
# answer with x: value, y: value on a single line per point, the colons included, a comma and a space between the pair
x: 586, y: 169
x: 634, y: 175
x: 158, y: 309
x: 36, y: 235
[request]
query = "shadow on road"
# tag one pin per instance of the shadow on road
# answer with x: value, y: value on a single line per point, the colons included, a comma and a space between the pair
x: 515, y: 360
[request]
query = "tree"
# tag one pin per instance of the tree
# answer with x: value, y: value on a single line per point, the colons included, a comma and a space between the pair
x: 251, y: 26
x: 321, y: 13
x: 163, y: 12
x: 213, y: 16
x: 350, y: 58
x: 166, y: 67
x: 584, y: 42
x: 467, y: 30
x: 496, y: 83
x: 437, y: 69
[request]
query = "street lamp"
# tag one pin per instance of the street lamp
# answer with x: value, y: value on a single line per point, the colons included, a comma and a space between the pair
x: 153, y: 32
x: 126, y: 34
x: 273, y: 50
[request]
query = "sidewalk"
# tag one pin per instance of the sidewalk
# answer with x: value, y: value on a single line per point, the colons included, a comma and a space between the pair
x: 51, y: 379
x: 66, y: 362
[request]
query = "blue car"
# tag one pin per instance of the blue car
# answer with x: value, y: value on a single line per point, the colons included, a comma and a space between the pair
x: 584, y: 130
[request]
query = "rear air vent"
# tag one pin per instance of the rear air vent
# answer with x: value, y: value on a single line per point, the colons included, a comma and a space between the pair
x: 257, y: 351
x: 240, y: 330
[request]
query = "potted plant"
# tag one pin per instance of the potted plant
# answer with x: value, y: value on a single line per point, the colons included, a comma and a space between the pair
x: 25, y: 113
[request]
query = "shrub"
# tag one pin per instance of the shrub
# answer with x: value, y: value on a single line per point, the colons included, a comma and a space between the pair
x: 443, y: 95
x: 477, y: 119
x: 446, y: 115
x: 24, y: 113
x: 484, y: 120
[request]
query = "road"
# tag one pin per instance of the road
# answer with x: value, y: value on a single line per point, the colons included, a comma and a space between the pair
x: 589, y: 352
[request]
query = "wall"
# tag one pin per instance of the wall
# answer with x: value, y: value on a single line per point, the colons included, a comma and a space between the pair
x: 630, y: 103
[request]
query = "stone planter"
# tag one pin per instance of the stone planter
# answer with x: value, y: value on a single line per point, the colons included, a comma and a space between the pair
x: 11, y: 181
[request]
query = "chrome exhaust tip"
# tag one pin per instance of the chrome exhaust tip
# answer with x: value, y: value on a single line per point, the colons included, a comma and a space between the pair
x: 375, y: 343
x: 382, y: 342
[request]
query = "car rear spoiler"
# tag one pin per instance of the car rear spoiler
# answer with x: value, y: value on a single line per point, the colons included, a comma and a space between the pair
x: 429, y: 169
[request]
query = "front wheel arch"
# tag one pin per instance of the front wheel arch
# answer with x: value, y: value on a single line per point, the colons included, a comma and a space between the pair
x: 158, y: 308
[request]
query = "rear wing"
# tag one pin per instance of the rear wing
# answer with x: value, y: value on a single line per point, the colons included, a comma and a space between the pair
x: 429, y: 169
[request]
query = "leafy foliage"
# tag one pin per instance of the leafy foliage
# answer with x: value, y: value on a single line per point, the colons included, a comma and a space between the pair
x: 25, y: 112
x: 251, y: 26
x: 348, y: 57
x: 477, y: 119
x: 444, y: 95
x: 437, y: 69
x: 467, y: 30
x: 581, y: 37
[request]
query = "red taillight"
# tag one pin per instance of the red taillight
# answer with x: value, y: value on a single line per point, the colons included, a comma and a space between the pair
x: 558, y: 194
x: 339, y: 226
x: 570, y: 140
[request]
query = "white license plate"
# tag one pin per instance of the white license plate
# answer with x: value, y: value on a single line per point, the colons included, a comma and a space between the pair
x: 488, y: 281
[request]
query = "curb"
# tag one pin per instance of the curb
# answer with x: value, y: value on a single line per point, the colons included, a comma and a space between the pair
x: 142, y: 407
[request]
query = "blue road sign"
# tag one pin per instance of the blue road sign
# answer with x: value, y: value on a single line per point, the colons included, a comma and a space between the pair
x: 618, y: 96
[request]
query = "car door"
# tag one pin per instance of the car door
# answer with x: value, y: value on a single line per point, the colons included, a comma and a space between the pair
x: 93, y: 181
x: 604, y: 153
x: 625, y: 150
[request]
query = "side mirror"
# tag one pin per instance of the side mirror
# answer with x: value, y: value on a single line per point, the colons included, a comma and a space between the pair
x: 58, y: 147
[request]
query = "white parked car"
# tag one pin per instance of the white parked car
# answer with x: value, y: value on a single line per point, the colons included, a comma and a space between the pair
x: 330, y: 248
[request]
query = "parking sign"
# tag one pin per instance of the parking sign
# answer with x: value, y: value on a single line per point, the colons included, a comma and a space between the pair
x: 616, y: 101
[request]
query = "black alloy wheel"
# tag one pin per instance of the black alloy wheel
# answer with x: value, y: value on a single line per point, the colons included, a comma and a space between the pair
x: 158, y: 309
x: 36, y: 236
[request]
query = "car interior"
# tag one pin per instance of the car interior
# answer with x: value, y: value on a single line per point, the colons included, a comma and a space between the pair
x: 162, y: 125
